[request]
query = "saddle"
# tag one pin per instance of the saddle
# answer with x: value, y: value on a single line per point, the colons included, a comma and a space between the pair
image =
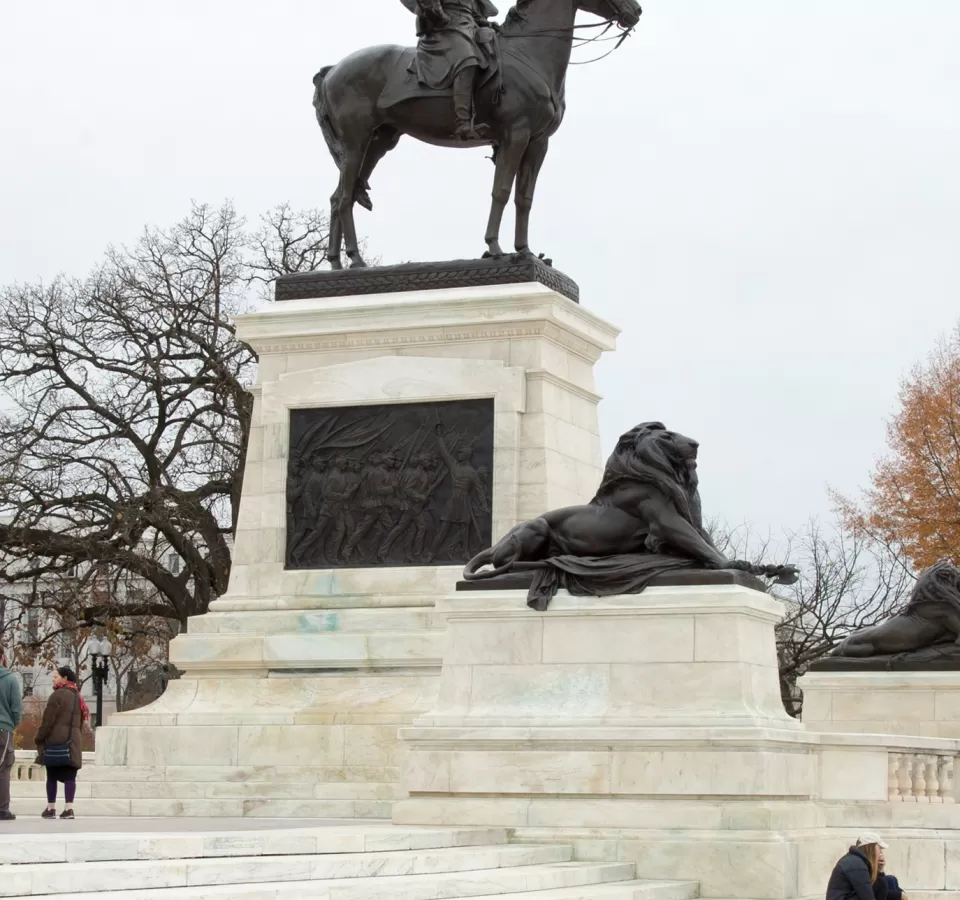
x: 404, y: 85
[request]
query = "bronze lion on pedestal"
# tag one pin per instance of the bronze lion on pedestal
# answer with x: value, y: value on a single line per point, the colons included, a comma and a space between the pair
x: 924, y: 634
x: 645, y: 520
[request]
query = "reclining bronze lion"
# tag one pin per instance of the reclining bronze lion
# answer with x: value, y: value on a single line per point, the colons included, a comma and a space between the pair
x: 930, y: 620
x: 644, y: 520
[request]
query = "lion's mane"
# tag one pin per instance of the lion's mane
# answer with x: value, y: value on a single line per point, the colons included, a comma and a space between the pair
x: 644, y: 455
x: 938, y: 586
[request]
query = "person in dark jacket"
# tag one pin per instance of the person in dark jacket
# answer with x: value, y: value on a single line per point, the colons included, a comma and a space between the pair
x: 894, y: 891
x: 11, y: 711
x: 856, y: 875
x: 62, y: 723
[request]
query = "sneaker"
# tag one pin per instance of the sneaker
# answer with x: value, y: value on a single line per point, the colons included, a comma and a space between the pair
x: 7, y: 817
x: 67, y: 814
x: 48, y: 814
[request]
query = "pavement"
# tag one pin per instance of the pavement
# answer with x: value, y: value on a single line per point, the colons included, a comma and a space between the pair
x: 186, y: 825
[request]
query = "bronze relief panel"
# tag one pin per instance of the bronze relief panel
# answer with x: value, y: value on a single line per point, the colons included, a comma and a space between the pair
x: 406, y: 484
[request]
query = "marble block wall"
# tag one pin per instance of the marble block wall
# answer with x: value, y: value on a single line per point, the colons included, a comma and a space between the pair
x: 648, y: 729
x: 325, y: 665
x: 914, y: 703
x: 527, y: 347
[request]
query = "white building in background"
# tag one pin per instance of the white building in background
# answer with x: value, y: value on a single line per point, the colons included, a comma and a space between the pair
x: 21, y: 624
x: 24, y: 626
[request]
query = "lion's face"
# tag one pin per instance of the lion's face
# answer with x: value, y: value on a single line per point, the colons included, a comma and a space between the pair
x: 653, y: 442
x: 681, y: 447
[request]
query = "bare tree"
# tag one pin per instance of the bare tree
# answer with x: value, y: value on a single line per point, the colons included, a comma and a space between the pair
x: 140, y: 646
x: 847, y: 582
x: 123, y: 447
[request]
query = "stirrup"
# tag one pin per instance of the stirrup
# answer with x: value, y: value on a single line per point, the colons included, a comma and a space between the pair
x: 466, y: 131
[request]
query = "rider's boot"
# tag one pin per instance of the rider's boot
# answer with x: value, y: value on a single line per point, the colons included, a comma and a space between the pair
x: 463, y: 87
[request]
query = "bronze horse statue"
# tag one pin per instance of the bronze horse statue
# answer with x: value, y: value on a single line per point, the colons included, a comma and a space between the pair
x: 366, y: 103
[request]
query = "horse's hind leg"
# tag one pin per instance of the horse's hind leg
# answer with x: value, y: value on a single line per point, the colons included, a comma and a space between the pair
x: 335, y: 240
x: 350, y: 169
x: 527, y: 176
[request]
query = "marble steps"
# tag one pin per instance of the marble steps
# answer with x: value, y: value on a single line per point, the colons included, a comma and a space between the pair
x: 251, y: 807
x: 325, y: 602
x: 239, y: 790
x: 58, y: 847
x: 241, y: 774
x: 297, y: 651
x: 321, y: 621
x: 617, y: 890
x: 622, y: 890
x: 538, y: 882
x: 496, y: 869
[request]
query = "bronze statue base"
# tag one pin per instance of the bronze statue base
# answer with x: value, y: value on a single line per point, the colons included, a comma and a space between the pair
x: 938, y: 658
x: 514, y: 268
x: 521, y: 581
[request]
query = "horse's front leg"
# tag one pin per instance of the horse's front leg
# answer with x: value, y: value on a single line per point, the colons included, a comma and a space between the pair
x: 335, y: 240
x: 509, y: 156
x: 530, y: 167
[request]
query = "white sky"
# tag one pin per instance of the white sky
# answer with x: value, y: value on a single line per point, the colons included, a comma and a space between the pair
x: 764, y: 195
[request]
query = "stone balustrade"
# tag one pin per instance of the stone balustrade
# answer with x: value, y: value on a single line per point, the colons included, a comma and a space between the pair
x: 920, y: 777
x: 25, y: 767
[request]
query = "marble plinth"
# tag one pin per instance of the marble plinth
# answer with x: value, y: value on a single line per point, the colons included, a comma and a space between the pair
x: 914, y: 703
x: 305, y: 676
x: 650, y: 729
x: 669, y: 657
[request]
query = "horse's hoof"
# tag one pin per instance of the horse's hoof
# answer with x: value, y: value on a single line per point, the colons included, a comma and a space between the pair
x: 358, y: 264
x: 335, y: 264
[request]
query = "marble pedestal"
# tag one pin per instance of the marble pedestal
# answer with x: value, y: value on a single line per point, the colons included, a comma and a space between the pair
x: 646, y: 729
x: 914, y: 703
x: 302, y: 678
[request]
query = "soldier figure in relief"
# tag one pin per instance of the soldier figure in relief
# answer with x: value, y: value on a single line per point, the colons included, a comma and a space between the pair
x: 455, y: 44
x: 311, y: 497
x: 417, y: 487
x: 466, y: 495
x: 338, y: 488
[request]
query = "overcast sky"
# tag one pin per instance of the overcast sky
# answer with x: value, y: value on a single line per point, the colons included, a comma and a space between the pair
x: 763, y: 195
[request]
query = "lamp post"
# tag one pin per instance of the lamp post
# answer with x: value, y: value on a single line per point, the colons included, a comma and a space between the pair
x: 100, y: 650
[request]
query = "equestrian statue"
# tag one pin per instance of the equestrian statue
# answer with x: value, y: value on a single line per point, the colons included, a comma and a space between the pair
x: 469, y: 83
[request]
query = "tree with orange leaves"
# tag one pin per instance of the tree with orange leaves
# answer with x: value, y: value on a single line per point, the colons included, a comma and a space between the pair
x: 914, y: 499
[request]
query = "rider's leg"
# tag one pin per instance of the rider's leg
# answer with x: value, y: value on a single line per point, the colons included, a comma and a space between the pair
x: 463, y: 87
x: 384, y: 140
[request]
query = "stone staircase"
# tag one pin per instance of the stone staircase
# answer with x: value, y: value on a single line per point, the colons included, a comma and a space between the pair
x: 288, y: 712
x: 347, y: 862
x: 219, y: 792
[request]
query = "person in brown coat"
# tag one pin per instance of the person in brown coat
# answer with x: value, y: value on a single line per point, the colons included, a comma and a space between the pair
x: 62, y: 725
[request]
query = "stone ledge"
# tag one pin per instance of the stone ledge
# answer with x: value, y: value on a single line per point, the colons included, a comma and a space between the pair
x: 908, y: 662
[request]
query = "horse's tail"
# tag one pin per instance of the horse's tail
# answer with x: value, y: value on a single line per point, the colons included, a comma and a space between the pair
x: 323, y: 117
